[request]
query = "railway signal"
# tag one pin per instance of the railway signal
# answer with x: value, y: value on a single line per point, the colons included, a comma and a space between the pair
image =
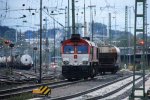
x: 141, y: 42
x: 7, y: 42
x: 11, y: 45
x: 34, y: 52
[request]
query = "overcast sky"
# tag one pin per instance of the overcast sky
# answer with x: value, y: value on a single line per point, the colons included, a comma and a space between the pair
x: 12, y: 16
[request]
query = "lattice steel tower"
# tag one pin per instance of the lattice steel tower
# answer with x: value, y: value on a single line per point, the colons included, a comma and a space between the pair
x: 139, y: 28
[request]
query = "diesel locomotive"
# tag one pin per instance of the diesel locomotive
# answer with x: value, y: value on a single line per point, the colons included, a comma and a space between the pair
x: 83, y: 58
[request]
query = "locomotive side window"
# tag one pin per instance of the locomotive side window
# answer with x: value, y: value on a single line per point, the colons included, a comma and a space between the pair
x: 82, y: 49
x: 68, y: 49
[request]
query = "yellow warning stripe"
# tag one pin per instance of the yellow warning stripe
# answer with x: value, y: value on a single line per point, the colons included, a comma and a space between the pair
x: 45, y: 88
x: 41, y: 87
x: 47, y: 91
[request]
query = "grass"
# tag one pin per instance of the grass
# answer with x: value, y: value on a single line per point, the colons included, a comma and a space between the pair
x: 24, y: 96
x: 27, y: 96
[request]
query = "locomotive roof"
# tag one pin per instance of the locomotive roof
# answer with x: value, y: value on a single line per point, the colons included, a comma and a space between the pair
x: 90, y: 42
x: 87, y: 41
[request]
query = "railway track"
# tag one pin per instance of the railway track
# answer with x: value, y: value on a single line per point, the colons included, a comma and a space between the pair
x: 102, y: 91
x: 124, y: 91
x: 22, y: 77
x: 28, y: 89
x: 90, y: 90
x: 23, y: 81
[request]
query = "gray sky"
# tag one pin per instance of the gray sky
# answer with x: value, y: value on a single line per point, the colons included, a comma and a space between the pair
x: 11, y: 17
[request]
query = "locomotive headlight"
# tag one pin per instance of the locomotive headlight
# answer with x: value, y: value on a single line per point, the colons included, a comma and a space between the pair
x: 65, y: 61
x: 85, y: 61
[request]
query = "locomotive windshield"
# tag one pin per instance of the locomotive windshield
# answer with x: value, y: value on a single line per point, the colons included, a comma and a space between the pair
x: 82, y: 49
x: 68, y: 49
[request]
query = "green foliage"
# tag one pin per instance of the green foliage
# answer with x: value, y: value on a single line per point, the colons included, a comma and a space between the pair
x: 124, y: 41
x: 24, y: 96
x: 7, y: 33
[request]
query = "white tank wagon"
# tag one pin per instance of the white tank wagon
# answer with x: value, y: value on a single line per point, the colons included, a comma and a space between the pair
x: 24, y: 62
x: 109, y: 59
x: 20, y: 61
x: 9, y: 59
x: 2, y: 61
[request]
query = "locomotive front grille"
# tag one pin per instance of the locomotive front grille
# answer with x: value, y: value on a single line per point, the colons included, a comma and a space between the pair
x: 74, y: 71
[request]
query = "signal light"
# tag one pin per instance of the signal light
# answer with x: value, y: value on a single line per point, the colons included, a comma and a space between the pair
x: 6, y: 42
x: 141, y: 42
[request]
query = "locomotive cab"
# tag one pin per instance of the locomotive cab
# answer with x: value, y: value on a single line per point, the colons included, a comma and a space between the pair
x: 77, y: 57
